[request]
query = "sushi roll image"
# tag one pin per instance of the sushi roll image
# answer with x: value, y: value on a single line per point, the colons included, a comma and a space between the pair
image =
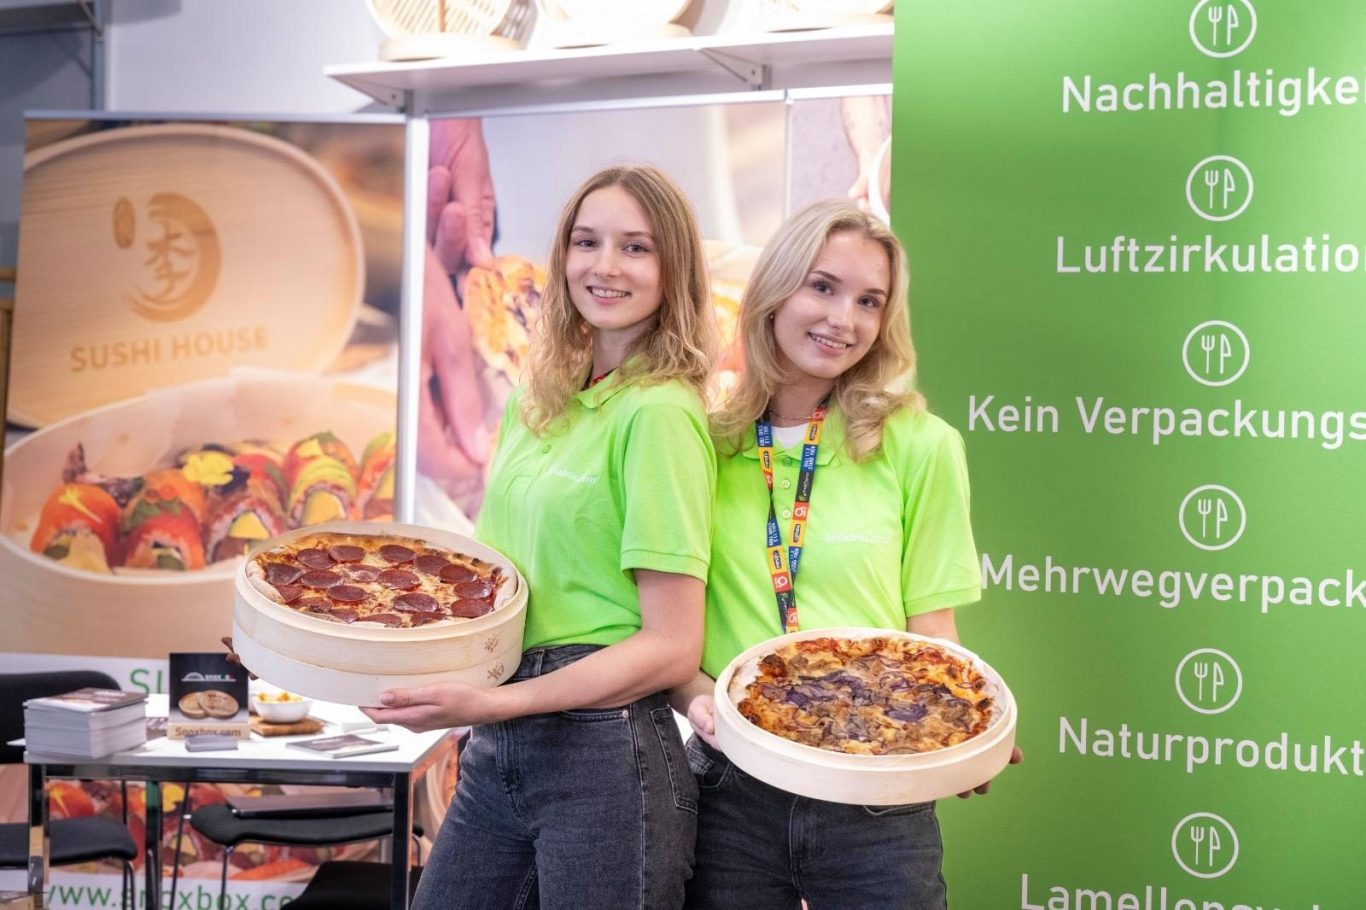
x: 321, y: 473
x: 79, y: 527
x: 264, y: 464
x: 168, y: 484
x: 238, y: 517
x: 375, y: 485
x: 310, y: 449
x: 323, y: 490
x: 245, y: 500
x: 161, y: 533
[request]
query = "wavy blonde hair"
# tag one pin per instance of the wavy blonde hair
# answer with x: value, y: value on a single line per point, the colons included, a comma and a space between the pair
x: 869, y: 392
x: 683, y: 342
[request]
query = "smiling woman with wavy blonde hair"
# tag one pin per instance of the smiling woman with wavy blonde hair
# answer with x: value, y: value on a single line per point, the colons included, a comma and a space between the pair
x: 601, y: 493
x: 683, y: 342
x: 868, y: 392
x: 882, y: 540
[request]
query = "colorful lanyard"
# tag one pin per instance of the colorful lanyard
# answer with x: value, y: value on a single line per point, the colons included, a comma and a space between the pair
x: 784, y: 561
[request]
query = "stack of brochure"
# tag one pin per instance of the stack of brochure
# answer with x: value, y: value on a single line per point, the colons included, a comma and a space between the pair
x: 87, y: 723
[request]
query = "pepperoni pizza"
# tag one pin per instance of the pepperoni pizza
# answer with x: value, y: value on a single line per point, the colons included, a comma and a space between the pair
x: 377, y: 579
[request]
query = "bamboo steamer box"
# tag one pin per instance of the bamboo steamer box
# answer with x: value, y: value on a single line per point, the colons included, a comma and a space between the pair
x: 151, y: 256
x: 354, y: 663
x: 872, y: 780
x: 146, y: 612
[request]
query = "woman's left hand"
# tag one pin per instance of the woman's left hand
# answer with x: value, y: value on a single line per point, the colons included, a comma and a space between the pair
x: 1016, y: 757
x: 437, y: 707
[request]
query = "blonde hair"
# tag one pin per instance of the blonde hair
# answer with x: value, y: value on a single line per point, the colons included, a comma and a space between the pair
x: 869, y: 392
x: 683, y: 342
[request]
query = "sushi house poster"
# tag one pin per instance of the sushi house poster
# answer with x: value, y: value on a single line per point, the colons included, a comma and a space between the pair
x: 204, y: 354
x: 1138, y: 255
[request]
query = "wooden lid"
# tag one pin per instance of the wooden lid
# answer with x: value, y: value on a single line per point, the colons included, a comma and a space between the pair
x: 150, y: 256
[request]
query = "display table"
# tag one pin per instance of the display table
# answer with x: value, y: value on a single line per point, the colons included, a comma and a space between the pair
x: 257, y: 761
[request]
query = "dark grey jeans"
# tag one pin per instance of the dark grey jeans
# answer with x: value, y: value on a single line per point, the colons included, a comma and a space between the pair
x: 759, y: 847
x: 581, y: 809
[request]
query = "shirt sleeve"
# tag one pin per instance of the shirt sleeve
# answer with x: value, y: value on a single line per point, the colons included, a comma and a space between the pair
x: 668, y: 482
x: 939, y: 567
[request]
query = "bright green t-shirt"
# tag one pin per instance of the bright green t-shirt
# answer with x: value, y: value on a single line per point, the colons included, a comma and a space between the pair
x: 627, y: 483
x: 887, y: 538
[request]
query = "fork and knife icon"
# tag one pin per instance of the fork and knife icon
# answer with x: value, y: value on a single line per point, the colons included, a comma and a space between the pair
x: 1218, y: 508
x: 1208, y: 342
x: 1220, y: 179
x: 1228, y: 15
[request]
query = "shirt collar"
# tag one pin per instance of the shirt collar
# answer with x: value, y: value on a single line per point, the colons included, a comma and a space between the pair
x: 596, y: 396
x: 832, y: 438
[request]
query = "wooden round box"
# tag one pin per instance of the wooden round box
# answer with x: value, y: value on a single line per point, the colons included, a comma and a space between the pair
x: 154, y: 255
x: 147, y: 613
x: 873, y: 780
x: 353, y: 664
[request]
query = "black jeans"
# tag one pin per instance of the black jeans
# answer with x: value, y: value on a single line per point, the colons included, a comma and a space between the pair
x: 584, y: 809
x: 759, y: 847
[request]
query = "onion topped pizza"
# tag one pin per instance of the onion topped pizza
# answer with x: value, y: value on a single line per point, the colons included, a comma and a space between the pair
x: 871, y: 696
x: 380, y: 579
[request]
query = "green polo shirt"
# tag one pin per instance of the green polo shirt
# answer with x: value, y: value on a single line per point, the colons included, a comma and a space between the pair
x: 887, y: 538
x: 627, y: 483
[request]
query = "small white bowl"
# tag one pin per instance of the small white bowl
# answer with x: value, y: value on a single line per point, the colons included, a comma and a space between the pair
x: 283, y: 712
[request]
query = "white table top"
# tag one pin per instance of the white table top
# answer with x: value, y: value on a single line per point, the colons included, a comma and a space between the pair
x: 269, y: 753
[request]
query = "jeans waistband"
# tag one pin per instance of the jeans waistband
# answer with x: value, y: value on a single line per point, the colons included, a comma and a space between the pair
x: 540, y: 661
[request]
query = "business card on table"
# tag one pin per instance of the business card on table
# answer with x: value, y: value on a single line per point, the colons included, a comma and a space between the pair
x: 342, y: 746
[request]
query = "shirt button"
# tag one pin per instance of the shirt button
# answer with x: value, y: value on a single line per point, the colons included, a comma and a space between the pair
x: 545, y: 448
x: 788, y: 459
x: 787, y: 484
x: 787, y: 513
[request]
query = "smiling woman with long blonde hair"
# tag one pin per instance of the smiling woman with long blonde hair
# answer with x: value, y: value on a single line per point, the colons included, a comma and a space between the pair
x: 573, y: 788
x: 887, y: 543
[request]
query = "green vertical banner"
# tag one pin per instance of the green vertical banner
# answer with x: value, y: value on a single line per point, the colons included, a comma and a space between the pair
x: 1138, y: 247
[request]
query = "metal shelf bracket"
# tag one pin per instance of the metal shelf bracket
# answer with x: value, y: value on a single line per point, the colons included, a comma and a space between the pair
x: 755, y: 75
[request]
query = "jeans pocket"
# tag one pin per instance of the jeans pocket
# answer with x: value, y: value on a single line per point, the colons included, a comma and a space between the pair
x: 671, y: 748
x: 709, y: 767
x: 595, y: 715
x: 904, y: 809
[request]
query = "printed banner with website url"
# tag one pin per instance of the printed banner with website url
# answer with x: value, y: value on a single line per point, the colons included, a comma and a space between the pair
x: 1138, y: 254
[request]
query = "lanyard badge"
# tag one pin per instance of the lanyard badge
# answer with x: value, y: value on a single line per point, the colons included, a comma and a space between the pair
x: 783, y: 561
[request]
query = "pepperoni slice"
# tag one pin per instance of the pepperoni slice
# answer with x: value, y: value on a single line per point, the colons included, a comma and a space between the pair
x: 320, y: 578
x: 313, y: 605
x: 281, y: 573
x: 343, y: 614
x: 395, y: 554
x: 421, y: 619
x: 454, y: 573
x: 431, y: 563
x: 346, y: 553
x: 362, y: 573
x: 416, y: 602
x: 478, y: 589
x: 289, y: 593
x: 347, y: 594
x: 469, y: 609
x: 315, y: 558
x: 399, y: 579
x: 388, y: 619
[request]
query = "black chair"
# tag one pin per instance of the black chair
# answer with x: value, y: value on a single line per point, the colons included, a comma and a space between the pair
x: 339, y: 885
x: 308, y: 827
x: 71, y: 840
